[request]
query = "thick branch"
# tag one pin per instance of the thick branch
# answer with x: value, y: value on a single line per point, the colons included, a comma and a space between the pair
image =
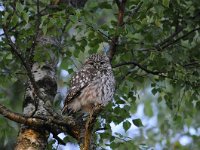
x: 59, y: 124
x: 89, y: 126
x: 114, y: 41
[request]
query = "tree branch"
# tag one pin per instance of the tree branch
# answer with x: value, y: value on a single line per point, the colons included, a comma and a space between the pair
x: 89, y: 125
x: 34, y: 41
x: 54, y: 125
x: 169, y: 41
x: 15, y: 51
x: 178, y: 39
x: 99, y: 31
x: 139, y: 66
x: 169, y: 38
x: 161, y: 74
x: 114, y: 41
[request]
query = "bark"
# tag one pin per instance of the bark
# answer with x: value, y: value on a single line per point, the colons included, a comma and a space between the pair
x: 32, y: 139
x: 37, y: 105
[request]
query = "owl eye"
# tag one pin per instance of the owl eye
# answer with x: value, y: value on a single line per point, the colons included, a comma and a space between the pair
x: 102, y: 62
x: 90, y: 63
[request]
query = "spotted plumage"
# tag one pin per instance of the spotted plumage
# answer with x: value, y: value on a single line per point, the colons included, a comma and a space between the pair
x: 92, y: 85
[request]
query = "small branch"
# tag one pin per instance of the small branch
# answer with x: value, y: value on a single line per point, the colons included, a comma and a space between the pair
x: 192, y: 64
x: 169, y: 38
x: 166, y: 43
x: 99, y: 31
x: 178, y: 39
x: 139, y: 66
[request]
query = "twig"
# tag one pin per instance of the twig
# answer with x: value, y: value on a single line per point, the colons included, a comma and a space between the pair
x: 195, y: 64
x: 99, y: 31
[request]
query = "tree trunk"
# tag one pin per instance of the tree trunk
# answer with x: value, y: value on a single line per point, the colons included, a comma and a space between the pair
x: 36, y: 106
x: 32, y: 139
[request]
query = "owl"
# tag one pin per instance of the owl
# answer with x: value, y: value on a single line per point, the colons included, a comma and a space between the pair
x: 91, y: 86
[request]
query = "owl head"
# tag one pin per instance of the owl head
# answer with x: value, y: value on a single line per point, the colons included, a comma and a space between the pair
x: 98, y: 61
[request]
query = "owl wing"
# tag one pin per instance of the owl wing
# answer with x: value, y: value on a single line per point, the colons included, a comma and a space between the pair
x: 79, y: 81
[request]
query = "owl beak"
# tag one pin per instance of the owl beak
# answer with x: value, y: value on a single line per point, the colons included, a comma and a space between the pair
x: 96, y: 66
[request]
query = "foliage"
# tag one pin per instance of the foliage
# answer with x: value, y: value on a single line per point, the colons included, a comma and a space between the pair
x: 159, y: 39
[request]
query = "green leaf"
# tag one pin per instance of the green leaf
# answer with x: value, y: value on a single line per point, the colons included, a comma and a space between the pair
x: 19, y: 7
x: 126, y: 125
x: 14, y: 19
x: 148, y: 109
x: 198, y: 105
x: 9, y: 56
x: 105, y: 5
x: 5, y: 17
x: 43, y: 19
x: 154, y: 91
x: 44, y: 29
x: 165, y: 3
x: 25, y: 16
x: 137, y: 122
x: 114, y: 145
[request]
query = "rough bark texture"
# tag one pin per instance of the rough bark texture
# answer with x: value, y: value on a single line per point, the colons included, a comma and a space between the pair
x: 36, y: 106
x: 31, y: 139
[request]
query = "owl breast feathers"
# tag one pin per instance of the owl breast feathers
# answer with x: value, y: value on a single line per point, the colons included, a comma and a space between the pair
x: 92, y: 85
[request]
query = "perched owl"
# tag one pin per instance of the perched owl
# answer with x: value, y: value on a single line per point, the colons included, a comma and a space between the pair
x: 92, y: 85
